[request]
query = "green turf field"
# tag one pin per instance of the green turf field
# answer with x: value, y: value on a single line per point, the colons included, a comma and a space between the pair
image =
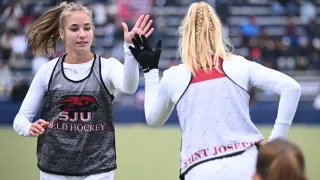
x: 143, y: 153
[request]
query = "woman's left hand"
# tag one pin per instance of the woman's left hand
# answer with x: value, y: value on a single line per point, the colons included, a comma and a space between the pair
x: 141, y: 27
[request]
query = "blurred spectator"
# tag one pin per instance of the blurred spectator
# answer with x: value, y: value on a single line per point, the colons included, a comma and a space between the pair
x: 11, y: 15
x: 99, y: 14
x: 291, y: 31
x: 6, y: 75
x: 34, y: 11
x: 304, y: 49
x: 160, y: 29
x: 6, y: 81
x: 19, y: 90
x: 117, y: 47
x: 277, y: 8
x: 315, y: 61
x: 312, y: 29
x: 249, y: 29
x: 316, y: 102
x: 223, y: 10
x: 289, y: 6
x: 307, y: 11
x: 286, y: 63
x: 26, y: 6
x: 255, y: 50
x: 286, y: 60
x: 19, y: 48
x: 110, y: 30
x: 6, y: 45
x: 315, y: 54
x: 37, y: 62
x: 262, y: 38
x: 303, y: 61
x: 128, y: 9
x: 269, y: 54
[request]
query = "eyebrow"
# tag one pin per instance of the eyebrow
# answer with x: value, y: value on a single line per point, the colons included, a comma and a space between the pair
x: 86, y: 24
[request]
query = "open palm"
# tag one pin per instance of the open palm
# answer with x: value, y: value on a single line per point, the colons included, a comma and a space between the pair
x: 141, y: 27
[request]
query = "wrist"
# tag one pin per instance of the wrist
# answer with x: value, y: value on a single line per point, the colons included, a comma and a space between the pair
x: 153, y: 73
x: 146, y: 69
x: 126, y: 48
x: 149, y: 68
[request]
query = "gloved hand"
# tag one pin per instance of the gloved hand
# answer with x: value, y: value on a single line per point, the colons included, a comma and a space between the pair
x: 144, y: 54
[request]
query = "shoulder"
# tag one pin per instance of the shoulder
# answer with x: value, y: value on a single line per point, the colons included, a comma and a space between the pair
x: 239, y: 69
x: 48, y: 66
x: 52, y: 62
x: 234, y: 62
x: 176, y: 71
x: 45, y: 71
x: 237, y: 59
x: 178, y: 74
x: 177, y: 79
x: 110, y: 62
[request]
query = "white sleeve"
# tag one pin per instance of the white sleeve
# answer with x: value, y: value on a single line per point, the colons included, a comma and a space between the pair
x: 31, y: 103
x: 289, y: 91
x: 157, y: 103
x: 125, y: 78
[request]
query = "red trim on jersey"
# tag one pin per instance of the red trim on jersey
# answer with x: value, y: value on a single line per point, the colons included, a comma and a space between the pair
x: 202, y: 75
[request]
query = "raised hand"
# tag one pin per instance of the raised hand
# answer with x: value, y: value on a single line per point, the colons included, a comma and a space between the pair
x: 144, y: 54
x: 141, y: 27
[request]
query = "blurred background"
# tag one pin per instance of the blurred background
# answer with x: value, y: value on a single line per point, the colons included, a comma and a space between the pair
x: 280, y: 34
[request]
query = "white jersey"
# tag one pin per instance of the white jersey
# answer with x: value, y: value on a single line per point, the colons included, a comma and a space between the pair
x: 117, y: 77
x: 215, y: 120
x: 214, y: 113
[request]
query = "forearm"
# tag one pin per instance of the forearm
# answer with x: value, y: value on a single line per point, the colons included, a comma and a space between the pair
x: 157, y: 104
x: 21, y: 125
x: 27, y: 112
x: 289, y: 99
x: 289, y: 91
x: 30, y: 105
x: 130, y: 73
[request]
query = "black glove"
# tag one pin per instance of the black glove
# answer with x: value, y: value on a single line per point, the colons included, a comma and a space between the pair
x: 143, y: 53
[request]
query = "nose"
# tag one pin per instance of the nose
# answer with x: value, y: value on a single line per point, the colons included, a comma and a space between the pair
x: 82, y: 34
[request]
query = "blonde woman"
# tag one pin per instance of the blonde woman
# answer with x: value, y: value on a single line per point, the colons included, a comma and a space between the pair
x: 210, y: 92
x: 76, y: 135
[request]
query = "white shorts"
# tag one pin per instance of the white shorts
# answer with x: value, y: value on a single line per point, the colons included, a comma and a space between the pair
x: 100, y: 176
x: 240, y: 167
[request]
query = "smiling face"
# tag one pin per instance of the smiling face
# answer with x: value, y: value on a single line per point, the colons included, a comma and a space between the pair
x: 77, y: 33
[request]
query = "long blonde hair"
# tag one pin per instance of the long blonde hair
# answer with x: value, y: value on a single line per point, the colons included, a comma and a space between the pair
x: 201, y: 38
x: 44, y: 32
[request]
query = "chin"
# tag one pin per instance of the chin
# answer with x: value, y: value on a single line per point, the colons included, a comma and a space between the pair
x: 82, y: 50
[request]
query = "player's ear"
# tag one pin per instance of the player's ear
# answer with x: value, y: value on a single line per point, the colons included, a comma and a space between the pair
x: 61, y: 34
x: 256, y: 177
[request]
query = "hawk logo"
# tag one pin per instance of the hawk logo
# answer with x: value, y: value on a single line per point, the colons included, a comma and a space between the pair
x: 77, y: 107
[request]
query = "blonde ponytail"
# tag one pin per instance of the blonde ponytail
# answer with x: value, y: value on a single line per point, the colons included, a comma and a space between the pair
x: 201, y: 38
